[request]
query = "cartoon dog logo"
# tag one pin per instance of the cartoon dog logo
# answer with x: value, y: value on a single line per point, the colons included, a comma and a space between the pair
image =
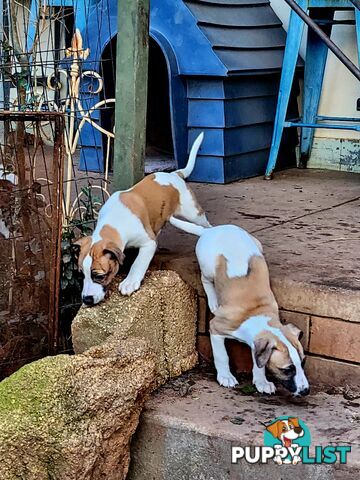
x: 287, y: 431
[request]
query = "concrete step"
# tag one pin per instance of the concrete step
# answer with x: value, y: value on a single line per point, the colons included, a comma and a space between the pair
x: 327, y: 315
x: 189, y: 426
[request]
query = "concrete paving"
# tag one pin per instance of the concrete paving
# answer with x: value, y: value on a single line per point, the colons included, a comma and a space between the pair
x: 307, y: 220
x: 188, y: 427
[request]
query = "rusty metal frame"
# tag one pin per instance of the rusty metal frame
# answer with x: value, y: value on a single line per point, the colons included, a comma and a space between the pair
x: 57, y: 170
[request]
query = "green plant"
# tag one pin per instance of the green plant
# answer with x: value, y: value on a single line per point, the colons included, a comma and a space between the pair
x: 70, y: 275
x: 71, y: 279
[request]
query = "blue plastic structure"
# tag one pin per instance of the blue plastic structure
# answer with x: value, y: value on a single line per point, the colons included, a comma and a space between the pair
x: 223, y: 59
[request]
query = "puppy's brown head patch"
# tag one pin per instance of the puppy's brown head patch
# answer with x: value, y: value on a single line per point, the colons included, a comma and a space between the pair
x: 278, y: 360
x: 271, y: 352
x: 294, y: 335
x: 264, y: 346
x: 106, y: 254
x: 106, y: 260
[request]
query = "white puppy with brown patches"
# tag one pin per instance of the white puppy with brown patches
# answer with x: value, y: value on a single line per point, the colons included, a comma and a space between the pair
x: 236, y: 281
x: 134, y: 218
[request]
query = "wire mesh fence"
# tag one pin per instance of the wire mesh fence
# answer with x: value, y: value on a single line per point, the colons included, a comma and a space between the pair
x: 59, y: 57
x: 57, y: 61
x: 47, y: 66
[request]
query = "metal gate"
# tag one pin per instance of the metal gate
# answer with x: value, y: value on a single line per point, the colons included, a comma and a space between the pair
x: 30, y: 236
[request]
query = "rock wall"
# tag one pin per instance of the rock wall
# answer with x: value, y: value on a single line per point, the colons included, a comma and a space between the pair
x: 163, y: 312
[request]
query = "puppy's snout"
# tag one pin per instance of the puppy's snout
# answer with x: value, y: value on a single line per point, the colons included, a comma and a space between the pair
x: 88, y: 300
x: 304, y: 392
x: 298, y: 430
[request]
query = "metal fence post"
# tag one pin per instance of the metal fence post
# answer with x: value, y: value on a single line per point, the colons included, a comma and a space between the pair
x: 131, y: 92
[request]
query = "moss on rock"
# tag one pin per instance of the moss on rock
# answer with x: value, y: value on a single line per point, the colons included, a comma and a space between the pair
x: 72, y: 417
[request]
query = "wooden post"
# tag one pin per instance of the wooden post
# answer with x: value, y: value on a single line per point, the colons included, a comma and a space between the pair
x: 131, y: 92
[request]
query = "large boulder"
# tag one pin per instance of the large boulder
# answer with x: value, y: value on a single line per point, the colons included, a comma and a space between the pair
x: 72, y: 417
x: 163, y: 312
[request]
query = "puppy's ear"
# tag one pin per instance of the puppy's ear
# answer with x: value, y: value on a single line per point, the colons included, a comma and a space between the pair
x: 263, y: 348
x: 114, y: 252
x: 294, y: 330
x: 81, y: 242
x: 81, y: 247
x: 274, y: 429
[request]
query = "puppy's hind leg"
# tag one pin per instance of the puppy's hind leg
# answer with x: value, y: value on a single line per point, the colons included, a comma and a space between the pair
x: 221, y: 360
x: 190, y: 209
x: 210, y: 293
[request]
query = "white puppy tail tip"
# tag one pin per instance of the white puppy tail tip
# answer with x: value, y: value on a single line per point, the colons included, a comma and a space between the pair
x: 187, y: 171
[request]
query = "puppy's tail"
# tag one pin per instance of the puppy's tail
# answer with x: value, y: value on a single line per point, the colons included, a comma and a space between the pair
x: 187, y: 226
x: 186, y: 172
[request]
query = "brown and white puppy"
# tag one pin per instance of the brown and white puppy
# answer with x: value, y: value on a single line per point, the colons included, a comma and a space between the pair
x: 133, y: 218
x: 236, y: 281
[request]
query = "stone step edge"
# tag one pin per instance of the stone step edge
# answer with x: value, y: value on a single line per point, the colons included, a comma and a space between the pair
x: 318, y: 300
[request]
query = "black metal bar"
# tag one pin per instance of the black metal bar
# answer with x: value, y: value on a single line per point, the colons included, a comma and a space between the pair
x: 58, y: 175
x: 329, y: 43
x: 18, y: 116
x: 335, y: 22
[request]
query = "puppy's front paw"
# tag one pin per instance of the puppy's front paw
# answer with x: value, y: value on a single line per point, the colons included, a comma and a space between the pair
x: 263, y: 386
x: 227, y: 380
x: 129, y: 286
x: 296, y: 460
